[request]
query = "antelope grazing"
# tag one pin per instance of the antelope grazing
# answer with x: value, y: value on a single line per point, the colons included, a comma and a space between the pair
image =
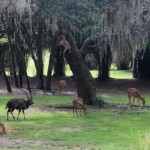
x: 2, y: 128
x: 20, y: 104
x: 78, y: 105
x: 132, y: 92
x: 60, y: 86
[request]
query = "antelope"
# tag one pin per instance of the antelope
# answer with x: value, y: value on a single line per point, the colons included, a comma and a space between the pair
x: 2, y: 128
x: 136, y: 94
x: 63, y: 42
x: 20, y: 104
x: 62, y: 84
x: 78, y: 105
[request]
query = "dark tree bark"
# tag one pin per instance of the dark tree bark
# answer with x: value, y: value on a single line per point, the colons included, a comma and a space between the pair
x: 6, y: 79
x: 135, y: 68
x: 142, y: 63
x: 11, y: 48
x: 18, y: 52
x: 104, y: 64
x: 84, y: 80
x: 59, y: 66
x: 39, y: 40
x: 28, y: 83
x: 28, y: 41
x: 51, y: 62
x: 90, y: 46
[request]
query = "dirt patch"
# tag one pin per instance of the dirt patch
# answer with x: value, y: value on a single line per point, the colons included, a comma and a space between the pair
x: 116, y: 107
x: 55, y: 108
x: 125, y: 108
x: 7, y: 143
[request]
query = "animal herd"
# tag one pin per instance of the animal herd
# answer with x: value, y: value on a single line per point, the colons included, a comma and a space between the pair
x: 79, y: 108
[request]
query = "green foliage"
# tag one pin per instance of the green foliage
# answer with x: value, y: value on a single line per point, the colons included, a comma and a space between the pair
x: 99, y: 101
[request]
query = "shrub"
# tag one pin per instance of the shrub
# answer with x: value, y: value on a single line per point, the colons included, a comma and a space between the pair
x: 99, y: 101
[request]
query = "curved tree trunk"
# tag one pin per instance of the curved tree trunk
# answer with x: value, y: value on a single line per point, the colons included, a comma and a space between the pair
x: 91, y: 46
x: 84, y: 80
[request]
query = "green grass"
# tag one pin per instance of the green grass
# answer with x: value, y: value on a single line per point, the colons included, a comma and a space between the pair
x: 99, y: 129
x: 114, y: 73
x: 120, y: 74
x: 3, y: 40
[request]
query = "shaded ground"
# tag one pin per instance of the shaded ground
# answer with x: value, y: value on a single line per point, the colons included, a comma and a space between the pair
x: 113, y: 85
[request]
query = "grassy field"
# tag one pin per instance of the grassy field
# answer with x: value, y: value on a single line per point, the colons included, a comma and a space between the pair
x: 100, y: 129
x: 114, y: 73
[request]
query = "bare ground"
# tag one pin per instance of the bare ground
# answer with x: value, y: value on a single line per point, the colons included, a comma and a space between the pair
x: 114, y: 85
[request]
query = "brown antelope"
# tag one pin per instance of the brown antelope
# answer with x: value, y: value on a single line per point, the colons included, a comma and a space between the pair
x: 20, y: 104
x: 60, y: 86
x: 65, y: 44
x: 2, y: 128
x: 132, y: 92
x: 78, y: 105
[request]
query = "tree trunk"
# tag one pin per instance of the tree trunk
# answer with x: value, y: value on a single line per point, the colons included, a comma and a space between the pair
x: 91, y: 46
x: 11, y: 47
x: 6, y: 80
x: 142, y: 64
x: 104, y: 65
x: 59, y: 66
x: 84, y: 80
x: 39, y: 40
x: 51, y: 62
x: 28, y: 83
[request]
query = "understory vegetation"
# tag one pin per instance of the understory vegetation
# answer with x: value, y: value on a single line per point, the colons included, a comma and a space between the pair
x: 107, y: 129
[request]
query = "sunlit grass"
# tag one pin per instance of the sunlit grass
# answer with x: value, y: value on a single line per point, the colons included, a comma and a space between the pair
x: 3, y: 40
x: 121, y: 74
x: 99, y: 129
x: 114, y: 73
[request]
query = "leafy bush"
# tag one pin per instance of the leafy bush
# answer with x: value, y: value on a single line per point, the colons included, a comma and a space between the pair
x: 99, y: 101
